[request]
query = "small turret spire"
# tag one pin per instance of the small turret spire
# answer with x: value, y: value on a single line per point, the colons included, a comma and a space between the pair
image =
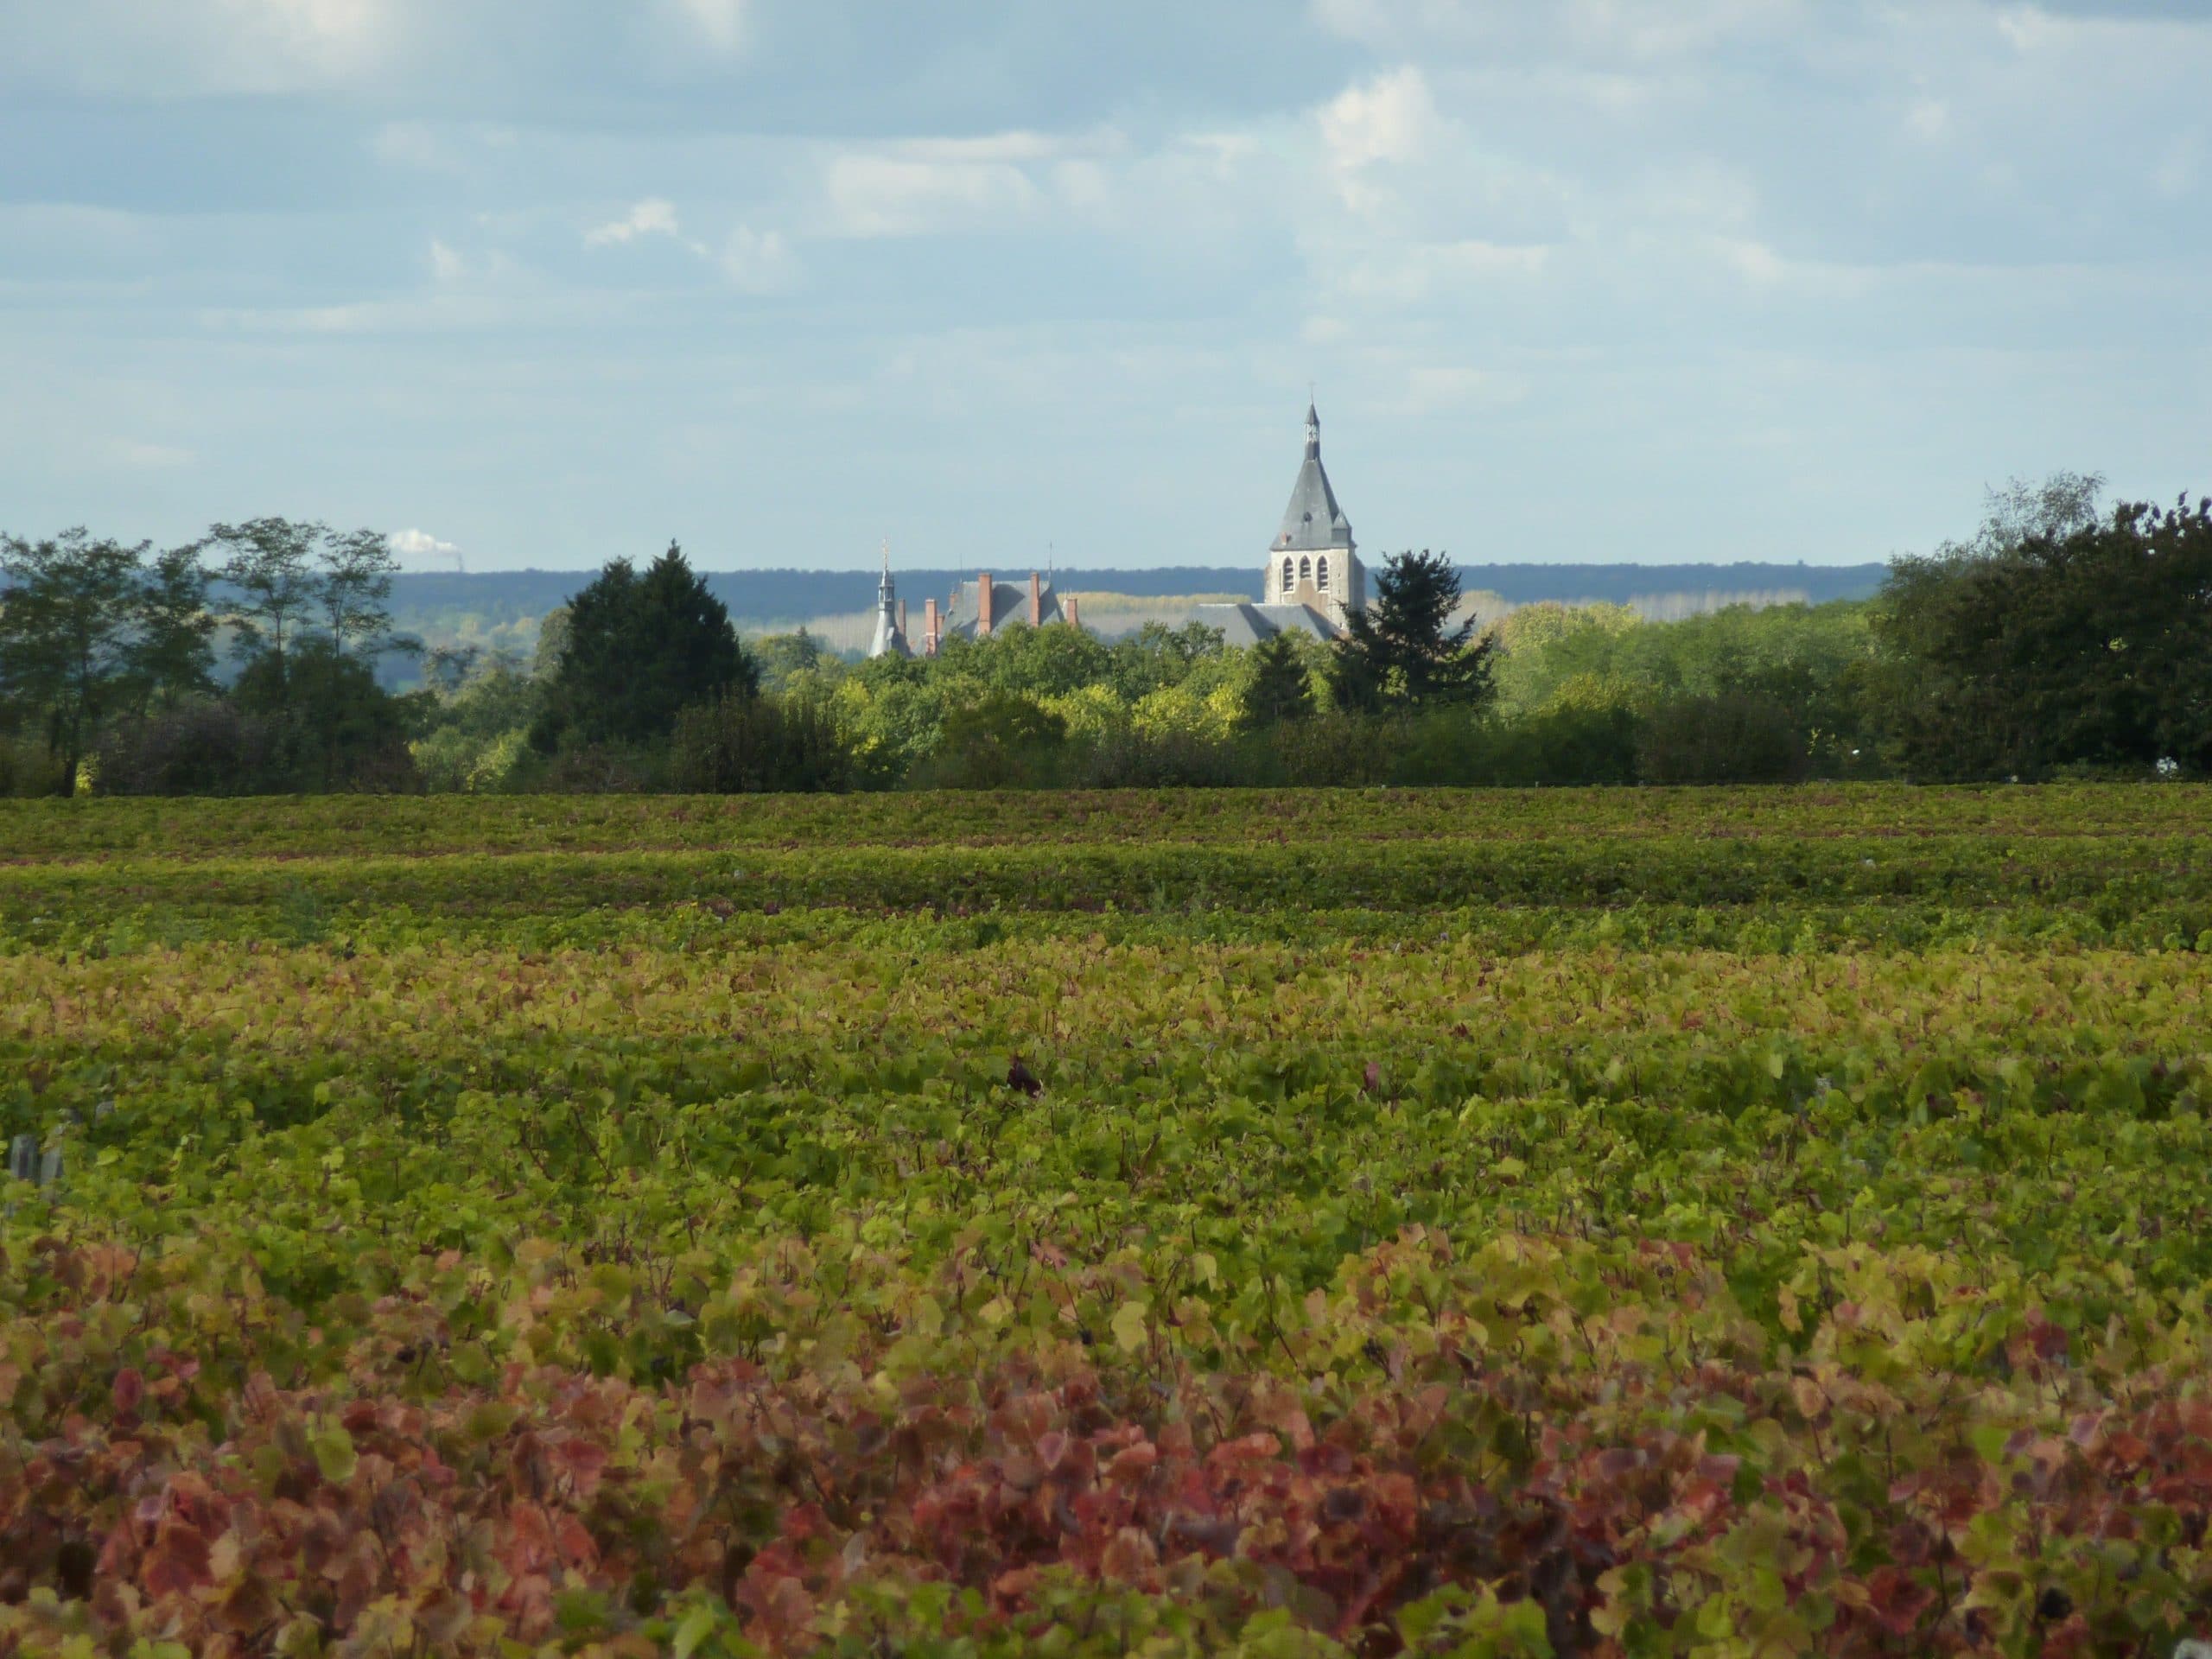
x: 890, y: 637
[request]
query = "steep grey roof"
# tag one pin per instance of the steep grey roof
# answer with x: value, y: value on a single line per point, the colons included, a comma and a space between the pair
x: 1009, y: 604
x: 1313, y: 523
x: 1245, y: 624
x: 890, y: 638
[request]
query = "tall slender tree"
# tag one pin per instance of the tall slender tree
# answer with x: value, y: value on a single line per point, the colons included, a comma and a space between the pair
x: 173, y: 656
x: 353, y: 572
x: 270, y: 571
x: 68, y: 625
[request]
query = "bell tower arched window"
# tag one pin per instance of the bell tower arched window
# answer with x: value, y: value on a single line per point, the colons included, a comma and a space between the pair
x: 1304, y: 570
x: 1287, y: 575
x: 1321, y: 574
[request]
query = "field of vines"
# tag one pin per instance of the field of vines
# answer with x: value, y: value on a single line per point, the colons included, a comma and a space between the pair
x: 1623, y: 1223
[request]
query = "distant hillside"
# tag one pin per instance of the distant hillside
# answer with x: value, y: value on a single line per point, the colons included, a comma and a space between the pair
x: 503, y: 608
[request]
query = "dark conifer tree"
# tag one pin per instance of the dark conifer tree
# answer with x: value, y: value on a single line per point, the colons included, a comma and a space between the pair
x: 1402, y: 650
x: 640, y: 649
x: 1281, y: 689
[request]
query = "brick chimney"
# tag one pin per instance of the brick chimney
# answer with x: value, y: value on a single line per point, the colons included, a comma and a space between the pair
x: 929, y: 627
x: 1036, y: 600
x: 903, y: 634
x: 984, y: 604
x: 1067, y: 605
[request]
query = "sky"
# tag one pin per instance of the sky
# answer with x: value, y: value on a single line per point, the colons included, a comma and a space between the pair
x: 1001, y: 281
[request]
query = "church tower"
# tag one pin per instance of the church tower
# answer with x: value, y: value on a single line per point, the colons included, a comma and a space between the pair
x: 1314, y: 560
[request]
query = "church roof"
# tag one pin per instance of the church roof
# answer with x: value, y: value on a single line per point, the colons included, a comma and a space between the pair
x: 1313, y: 523
x: 1244, y: 624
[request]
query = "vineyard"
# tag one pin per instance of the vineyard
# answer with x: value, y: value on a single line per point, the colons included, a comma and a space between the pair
x: 1633, y: 1222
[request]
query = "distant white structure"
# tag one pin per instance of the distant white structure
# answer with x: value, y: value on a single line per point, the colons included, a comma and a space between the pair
x: 1313, y: 578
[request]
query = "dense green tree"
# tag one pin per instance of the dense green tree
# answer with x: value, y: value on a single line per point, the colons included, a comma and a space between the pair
x: 552, y: 645
x: 329, y: 725
x: 69, y: 614
x: 2053, y: 639
x: 1157, y: 655
x: 780, y: 656
x: 1025, y: 662
x: 994, y: 741
x: 1280, y: 689
x: 640, y: 649
x: 1404, y: 650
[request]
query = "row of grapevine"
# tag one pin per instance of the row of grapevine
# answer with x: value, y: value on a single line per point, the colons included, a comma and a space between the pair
x: 1774, y: 1236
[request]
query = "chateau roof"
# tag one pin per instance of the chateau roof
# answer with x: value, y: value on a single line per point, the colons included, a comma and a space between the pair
x: 1009, y: 604
x: 1313, y: 523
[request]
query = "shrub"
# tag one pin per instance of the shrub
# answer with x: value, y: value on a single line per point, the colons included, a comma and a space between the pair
x: 743, y: 744
x: 1734, y: 738
x: 29, y: 768
x: 1159, y: 760
x: 198, y: 748
x: 998, y: 743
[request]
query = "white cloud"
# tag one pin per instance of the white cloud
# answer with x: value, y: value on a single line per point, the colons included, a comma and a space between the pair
x: 2029, y: 29
x: 652, y: 217
x: 1637, y: 29
x: 446, y: 265
x: 874, y: 195
x: 214, y: 46
x: 754, y: 261
x: 1929, y: 119
x: 1392, y: 117
x: 721, y: 22
x: 1017, y: 146
x: 419, y: 544
x: 337, y: 34
x: 758, y: 261
x: 1653, y: 28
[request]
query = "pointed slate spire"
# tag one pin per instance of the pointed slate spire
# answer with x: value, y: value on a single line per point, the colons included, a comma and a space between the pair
x: 1313, y: 523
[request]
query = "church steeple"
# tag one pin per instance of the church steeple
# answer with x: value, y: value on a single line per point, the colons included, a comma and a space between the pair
x: 1313, y: 522
x: 1313, y: 560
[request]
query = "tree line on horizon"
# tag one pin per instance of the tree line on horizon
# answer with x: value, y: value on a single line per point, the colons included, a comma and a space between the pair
x: 2064, y: 637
